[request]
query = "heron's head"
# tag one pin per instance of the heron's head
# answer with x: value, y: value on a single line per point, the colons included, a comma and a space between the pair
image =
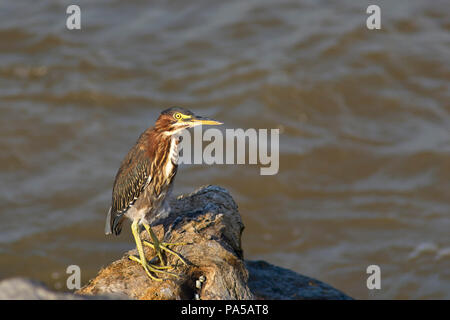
x: 175, y: 119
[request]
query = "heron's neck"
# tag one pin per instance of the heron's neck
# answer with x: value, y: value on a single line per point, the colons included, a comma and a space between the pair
x: 174, y: 139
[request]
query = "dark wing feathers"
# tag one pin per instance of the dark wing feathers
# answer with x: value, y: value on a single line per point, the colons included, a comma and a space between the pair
x: 131, y: 179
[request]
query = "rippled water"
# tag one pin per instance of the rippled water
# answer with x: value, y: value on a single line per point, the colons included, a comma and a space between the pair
x: 363, y: 115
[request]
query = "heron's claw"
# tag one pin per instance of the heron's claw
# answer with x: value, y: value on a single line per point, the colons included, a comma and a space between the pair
x: 163, y: 246
x: 149, y: 268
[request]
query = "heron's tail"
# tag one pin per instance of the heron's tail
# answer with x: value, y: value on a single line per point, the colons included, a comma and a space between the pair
x: 113, y: 223
x: 108, y: 229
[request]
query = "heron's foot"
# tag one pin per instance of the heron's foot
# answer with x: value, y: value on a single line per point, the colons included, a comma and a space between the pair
x: 164, y: 246
x: 151, y: 268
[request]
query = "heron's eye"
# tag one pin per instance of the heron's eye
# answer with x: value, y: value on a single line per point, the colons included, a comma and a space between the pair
x: 177, y: 116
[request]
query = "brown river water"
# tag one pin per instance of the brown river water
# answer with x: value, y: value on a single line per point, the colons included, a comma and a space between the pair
x: 364, y: 120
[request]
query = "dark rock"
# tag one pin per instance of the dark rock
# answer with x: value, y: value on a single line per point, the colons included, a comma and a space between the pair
x: 267, y: 281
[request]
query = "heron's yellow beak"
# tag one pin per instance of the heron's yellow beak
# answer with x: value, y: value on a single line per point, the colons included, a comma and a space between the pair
x: 203, y: 120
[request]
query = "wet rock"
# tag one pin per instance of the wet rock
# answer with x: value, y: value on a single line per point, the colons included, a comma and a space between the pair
x: 267, y: 281
x: 209, y: 220
x: 26, y: 289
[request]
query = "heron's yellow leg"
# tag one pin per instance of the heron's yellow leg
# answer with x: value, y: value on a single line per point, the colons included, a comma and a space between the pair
x: 141, y: 260
x: 159, y: 246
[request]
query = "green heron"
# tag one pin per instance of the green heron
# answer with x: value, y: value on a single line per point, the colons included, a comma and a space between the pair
x: 145, y: 179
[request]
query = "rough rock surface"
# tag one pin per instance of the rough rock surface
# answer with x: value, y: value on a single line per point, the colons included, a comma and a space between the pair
x: 210, y: 221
